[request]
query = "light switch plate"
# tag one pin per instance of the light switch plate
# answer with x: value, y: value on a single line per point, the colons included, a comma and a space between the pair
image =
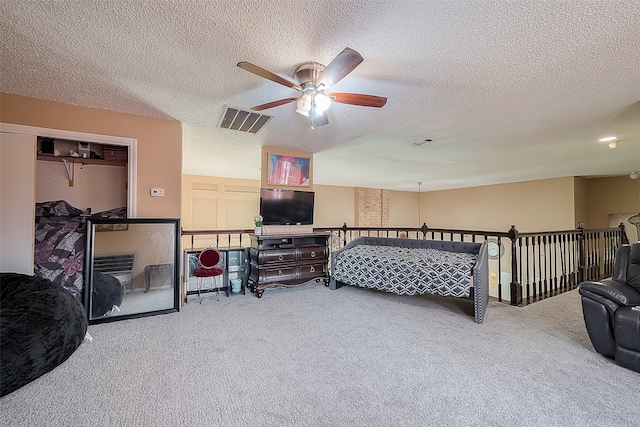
x: 157, y: 192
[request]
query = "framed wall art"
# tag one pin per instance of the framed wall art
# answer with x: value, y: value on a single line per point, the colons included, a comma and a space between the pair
x: 287, y: 168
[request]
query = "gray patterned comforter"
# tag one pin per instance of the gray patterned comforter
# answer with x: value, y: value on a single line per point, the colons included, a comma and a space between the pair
x: 406, y: 271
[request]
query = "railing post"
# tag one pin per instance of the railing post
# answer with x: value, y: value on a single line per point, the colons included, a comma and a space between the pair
x: 623, y: 235
x: 344, y: 234
x: 424, y: 229
x: 516, y: 288
x: 582, y: 253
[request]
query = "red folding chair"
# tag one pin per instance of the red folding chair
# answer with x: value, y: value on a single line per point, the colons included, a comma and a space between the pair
x: 209, y: 259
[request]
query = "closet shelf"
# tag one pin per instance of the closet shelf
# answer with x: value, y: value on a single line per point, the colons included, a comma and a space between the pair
x: 81, y: 160
x: 70, y: 162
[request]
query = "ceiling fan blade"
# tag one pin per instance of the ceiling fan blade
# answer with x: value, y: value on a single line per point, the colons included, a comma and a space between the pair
x: 267, y: 75
x: 358, y: 99
x: 339, y: 67
x: 273, y: 104
x: 318, y: 118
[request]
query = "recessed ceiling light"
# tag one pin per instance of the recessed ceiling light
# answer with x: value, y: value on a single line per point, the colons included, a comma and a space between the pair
x: 608, y: 138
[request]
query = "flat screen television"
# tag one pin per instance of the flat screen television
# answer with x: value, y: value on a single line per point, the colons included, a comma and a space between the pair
x: 286, y: 207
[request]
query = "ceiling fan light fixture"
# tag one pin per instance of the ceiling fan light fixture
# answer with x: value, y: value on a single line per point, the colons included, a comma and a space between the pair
x: 313, y: 78
x: 304, y: 105
x: 322, y: 102
x: 611, y: 141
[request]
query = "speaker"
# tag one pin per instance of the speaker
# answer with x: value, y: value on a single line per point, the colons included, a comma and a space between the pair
x: 47, y: 146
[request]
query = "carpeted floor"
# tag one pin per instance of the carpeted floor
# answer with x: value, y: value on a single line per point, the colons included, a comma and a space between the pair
x: 310, y: 356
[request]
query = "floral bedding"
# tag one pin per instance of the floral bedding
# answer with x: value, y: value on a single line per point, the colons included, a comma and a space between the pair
x: 60, y: 240
x: 59, y: 252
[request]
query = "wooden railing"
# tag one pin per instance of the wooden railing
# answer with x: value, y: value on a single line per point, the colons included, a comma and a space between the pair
x: 529, y: 268
x: 196, y: 239
x: 546, y: 264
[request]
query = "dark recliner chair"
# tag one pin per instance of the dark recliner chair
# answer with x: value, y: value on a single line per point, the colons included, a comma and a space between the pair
x: 611, y: 309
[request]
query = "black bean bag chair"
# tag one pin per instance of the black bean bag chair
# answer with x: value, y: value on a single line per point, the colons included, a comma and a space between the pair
x: 105, y: 293
x: 41, y: 325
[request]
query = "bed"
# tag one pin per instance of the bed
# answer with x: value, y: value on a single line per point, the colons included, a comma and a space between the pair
x: 415, y: 267
x: 60, y: 239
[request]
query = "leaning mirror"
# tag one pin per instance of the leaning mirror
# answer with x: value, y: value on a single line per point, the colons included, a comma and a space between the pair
x: 132, y: 268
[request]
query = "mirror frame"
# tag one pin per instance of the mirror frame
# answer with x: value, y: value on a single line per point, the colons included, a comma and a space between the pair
x: 116, y: 224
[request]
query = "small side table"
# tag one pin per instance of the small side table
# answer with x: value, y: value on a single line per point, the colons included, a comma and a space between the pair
x: 162, y: 268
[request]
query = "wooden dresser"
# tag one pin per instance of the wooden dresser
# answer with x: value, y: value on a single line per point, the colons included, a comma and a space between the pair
x: 287, y: 260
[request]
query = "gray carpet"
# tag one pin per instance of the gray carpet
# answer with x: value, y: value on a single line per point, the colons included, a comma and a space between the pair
x: 310, y: 356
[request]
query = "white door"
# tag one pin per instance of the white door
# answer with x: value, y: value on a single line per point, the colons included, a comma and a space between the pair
x: 17, y: 202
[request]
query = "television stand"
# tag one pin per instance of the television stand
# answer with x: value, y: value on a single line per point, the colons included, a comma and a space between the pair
x: 287, y: 260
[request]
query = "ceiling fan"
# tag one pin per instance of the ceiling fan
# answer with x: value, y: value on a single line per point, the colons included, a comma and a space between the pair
x: 313, y: 79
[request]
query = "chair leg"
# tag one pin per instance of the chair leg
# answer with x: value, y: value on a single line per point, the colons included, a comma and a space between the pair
x: 200, y: 283
x: 202, y: 286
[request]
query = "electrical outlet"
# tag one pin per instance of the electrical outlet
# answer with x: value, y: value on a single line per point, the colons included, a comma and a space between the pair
x: 157, y: 192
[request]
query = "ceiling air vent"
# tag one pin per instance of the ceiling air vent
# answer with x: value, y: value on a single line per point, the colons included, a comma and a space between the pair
x: 243, y: 120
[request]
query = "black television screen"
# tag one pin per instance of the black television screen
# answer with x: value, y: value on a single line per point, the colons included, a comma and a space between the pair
x: 286, y: 207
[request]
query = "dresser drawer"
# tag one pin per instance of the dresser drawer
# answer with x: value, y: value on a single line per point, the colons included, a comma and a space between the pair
x: 270, y: 275
x: 312, y: 270
x: 276, y: 256
x: 313, y: 252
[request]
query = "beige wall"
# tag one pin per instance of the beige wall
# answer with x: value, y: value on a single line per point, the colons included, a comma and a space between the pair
x: 159, y: 143
x: 611, y: 195
x: 531, y: 206
x: 216, y: 203
x: 403, y: 209
x: 552, y: 204
x: 581, y: 201
x: 334, y: 206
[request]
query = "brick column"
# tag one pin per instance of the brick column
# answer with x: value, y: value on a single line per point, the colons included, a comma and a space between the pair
x: 372, y: 207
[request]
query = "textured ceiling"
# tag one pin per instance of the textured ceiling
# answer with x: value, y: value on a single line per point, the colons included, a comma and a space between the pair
x: 508, y: 90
